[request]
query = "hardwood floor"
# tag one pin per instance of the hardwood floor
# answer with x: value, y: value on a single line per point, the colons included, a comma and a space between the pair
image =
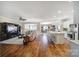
x: 39, y: 47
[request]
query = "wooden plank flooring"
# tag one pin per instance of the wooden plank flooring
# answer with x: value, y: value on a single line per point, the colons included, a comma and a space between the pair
x: 37, y: 48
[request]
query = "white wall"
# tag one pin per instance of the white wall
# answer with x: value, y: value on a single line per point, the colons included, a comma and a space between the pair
x: 76, y: 12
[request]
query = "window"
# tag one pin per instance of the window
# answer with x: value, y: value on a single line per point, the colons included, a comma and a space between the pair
x: 30, y: 27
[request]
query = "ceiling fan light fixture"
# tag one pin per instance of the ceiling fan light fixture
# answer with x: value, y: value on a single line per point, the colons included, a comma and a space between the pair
x: 20, y: 18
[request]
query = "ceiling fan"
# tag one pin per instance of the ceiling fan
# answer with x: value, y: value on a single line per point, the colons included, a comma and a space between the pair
x: 65, y: 19
x: 22, y: 19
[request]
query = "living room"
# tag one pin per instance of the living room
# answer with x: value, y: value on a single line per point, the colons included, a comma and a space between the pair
x: 42, y: 28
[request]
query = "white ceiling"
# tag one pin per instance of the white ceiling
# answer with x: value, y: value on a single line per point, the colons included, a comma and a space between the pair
x: 36, y: 10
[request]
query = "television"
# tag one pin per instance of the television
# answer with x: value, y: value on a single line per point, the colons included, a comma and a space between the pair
x: 12, y: 29
x: 9, y: 30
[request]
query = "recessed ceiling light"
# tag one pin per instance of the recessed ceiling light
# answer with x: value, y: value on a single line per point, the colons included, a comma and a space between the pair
x: 72, y: 11
x: 54, y: 16
x: 59, y: 11
x: 70, y: 1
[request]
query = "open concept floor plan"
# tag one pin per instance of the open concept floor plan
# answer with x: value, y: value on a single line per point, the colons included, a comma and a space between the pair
x: 39, y: 29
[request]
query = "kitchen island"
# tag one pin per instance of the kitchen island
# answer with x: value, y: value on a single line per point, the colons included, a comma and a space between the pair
x: 57, y: 37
